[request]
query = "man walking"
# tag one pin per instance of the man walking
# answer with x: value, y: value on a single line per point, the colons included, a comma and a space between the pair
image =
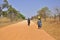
x: 28, y: 21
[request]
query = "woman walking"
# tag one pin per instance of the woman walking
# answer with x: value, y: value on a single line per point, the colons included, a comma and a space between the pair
x: 39, y: 22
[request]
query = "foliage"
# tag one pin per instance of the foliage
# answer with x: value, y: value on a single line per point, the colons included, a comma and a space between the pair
x: 44, y: 12
x: 11, y: 13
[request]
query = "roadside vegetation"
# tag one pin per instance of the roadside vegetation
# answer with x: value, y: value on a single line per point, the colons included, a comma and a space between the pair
x: 9, y: 14
x: 50, y: 23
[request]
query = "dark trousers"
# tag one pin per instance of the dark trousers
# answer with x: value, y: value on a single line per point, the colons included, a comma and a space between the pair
x: 28, y: 23
x: 39, y: 26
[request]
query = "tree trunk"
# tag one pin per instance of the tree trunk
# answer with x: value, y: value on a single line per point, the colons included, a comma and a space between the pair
x: 59, y: 16
x: 45, y: 16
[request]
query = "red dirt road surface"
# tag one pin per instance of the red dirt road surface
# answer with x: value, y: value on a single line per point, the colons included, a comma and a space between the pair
x: 21, y: 31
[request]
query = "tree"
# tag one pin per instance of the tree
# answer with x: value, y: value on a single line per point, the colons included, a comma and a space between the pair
x: 14, y: 14
x: 0, y: 11
x: 6, y: 4
x: 4, y: 13
x: 11, y: 12
x: 58, y: 12
x: 55, y: 17
x: 44, y: 12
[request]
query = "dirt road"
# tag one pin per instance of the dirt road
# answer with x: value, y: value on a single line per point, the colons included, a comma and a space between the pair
x: 21, y: 31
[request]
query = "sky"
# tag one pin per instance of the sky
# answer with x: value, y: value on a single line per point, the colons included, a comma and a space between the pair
x: 30, y: 7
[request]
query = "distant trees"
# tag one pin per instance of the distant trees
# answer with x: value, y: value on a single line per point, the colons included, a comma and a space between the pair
x: 44, y: 12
